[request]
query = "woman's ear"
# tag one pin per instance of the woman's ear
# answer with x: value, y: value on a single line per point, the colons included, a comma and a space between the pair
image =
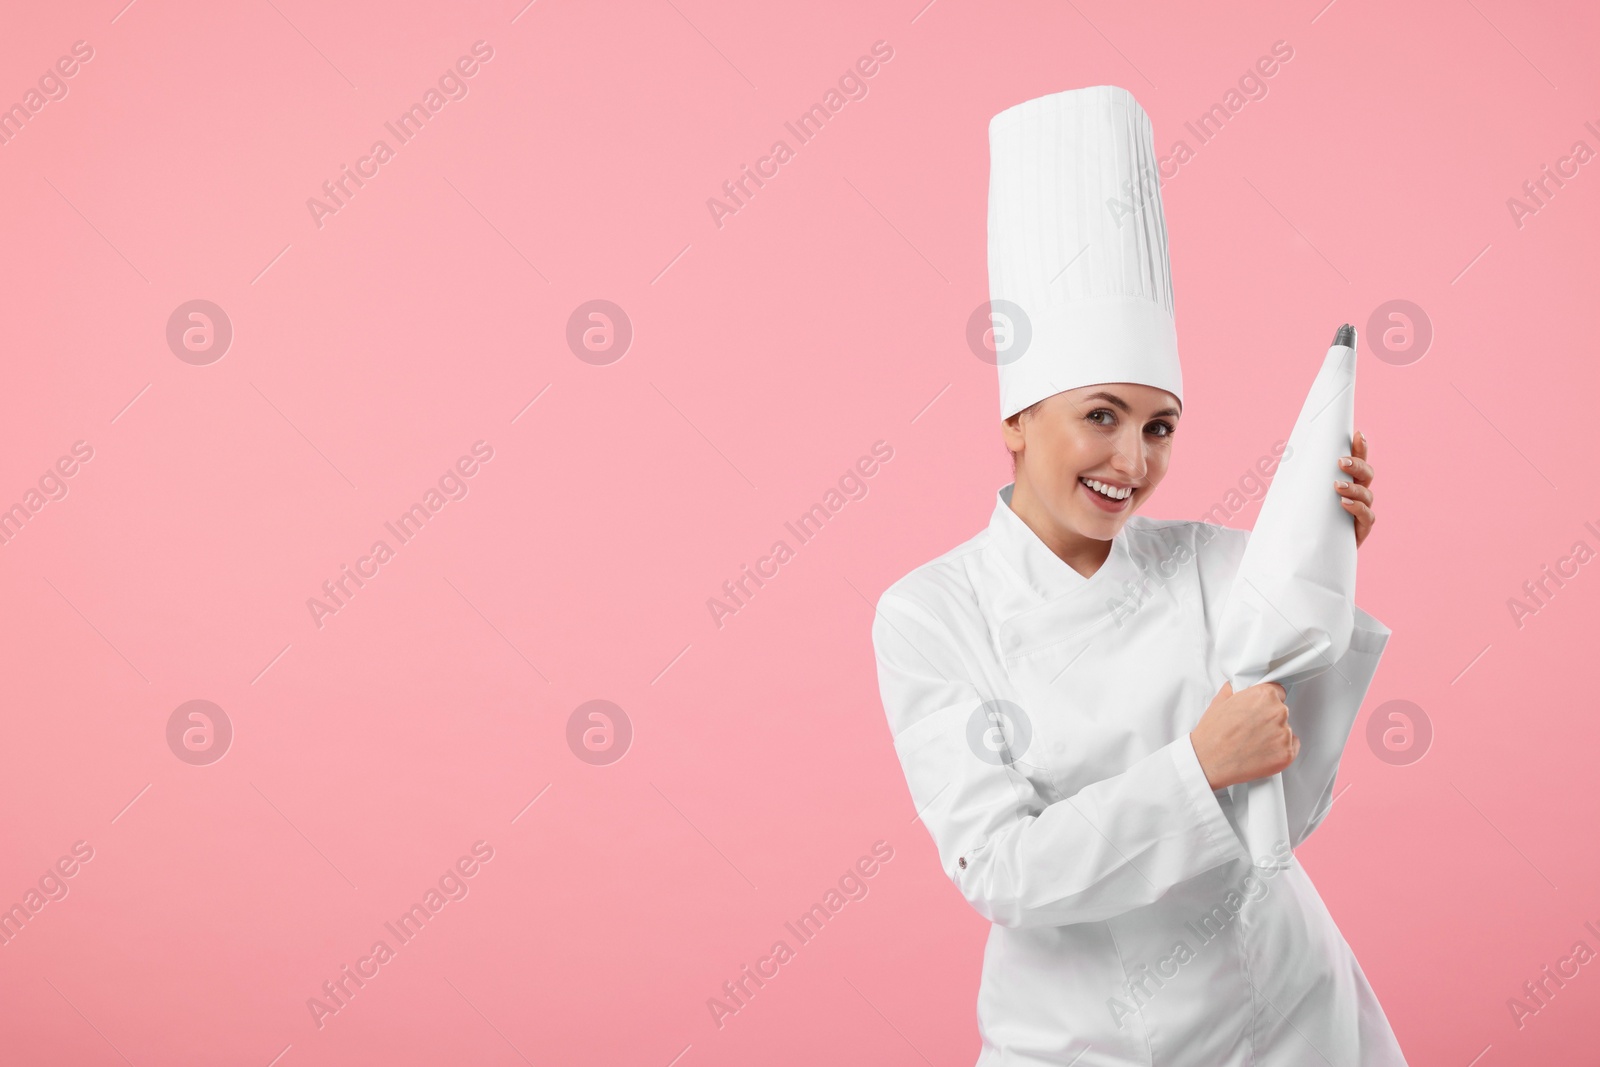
x: 1011, y: 432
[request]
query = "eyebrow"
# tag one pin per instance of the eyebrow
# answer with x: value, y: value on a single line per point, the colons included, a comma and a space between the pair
x: 1123, y: 404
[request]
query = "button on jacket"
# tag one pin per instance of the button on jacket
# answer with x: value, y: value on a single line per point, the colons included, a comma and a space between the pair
x: 1042, y: 720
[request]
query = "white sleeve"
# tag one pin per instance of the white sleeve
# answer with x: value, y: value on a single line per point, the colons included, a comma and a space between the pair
x: 1020, y: 860
x: 1321, y: 712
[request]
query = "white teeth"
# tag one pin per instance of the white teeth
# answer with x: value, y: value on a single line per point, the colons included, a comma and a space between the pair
x: 1105, y: 490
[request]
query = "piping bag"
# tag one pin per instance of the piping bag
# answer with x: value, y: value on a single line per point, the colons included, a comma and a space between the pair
x: 1291, y: 611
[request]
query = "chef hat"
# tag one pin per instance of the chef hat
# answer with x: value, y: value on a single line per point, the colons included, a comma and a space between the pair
x: 1078, y: 272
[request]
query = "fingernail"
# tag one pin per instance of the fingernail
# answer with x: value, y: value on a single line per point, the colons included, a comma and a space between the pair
x: 1346, y: 462
x: 1342, y: 485
x: 1363, y: 437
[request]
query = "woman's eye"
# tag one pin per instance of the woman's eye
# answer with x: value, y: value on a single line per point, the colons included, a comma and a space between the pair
x: 1160, y: 427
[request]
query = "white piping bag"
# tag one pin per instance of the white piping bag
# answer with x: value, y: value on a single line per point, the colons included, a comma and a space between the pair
x: 1291, y: 611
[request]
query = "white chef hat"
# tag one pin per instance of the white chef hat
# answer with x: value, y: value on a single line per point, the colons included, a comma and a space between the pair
x: 1078, y: 273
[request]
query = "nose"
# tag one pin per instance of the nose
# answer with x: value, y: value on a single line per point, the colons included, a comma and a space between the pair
x: 1129, y: 460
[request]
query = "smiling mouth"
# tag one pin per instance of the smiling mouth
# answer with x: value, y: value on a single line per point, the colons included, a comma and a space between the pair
x: 1106, y: 491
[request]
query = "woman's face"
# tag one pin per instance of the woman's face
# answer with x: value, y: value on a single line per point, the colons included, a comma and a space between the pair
x: 1119, y: 435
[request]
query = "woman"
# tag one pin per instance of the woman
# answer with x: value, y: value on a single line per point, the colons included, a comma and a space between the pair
x: 1052, y: 684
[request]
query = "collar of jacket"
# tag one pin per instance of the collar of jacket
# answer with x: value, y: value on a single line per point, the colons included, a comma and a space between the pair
x: 1047, y: 598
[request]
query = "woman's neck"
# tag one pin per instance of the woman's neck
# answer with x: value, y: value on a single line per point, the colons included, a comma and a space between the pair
x: 1083, y: 554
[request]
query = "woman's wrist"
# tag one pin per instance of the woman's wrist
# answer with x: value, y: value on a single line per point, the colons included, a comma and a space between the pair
x: 1202, y: 753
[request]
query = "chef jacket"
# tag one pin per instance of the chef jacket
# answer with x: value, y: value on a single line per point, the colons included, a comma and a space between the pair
x: 1042, y: 719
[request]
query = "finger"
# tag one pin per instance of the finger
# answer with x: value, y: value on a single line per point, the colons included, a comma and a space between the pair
x: 1354, y: 491
x: 1363, y: 512
x: 1358, y: 469
x: 1364, y: 519
x: 1358, y: 445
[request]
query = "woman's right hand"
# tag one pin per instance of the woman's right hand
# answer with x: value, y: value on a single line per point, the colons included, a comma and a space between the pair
x: 1244, y: 736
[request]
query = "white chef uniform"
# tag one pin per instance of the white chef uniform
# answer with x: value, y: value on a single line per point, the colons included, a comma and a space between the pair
x: 1042, y: 717
x: 1129, y: 927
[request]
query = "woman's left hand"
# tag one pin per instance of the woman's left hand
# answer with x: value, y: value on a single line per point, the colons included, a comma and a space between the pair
x: 1357, y: 492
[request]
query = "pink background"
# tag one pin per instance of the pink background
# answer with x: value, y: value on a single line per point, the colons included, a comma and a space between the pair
x: 768, y: 355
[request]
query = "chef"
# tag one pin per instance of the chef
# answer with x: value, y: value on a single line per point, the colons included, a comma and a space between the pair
x: 1052, y: 684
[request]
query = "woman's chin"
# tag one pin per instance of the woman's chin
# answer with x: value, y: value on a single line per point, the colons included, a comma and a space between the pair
x: 1097, y: 526
x: 1097, y: 517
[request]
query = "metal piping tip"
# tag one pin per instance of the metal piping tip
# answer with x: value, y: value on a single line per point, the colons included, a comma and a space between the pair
x: 1346, y: 336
